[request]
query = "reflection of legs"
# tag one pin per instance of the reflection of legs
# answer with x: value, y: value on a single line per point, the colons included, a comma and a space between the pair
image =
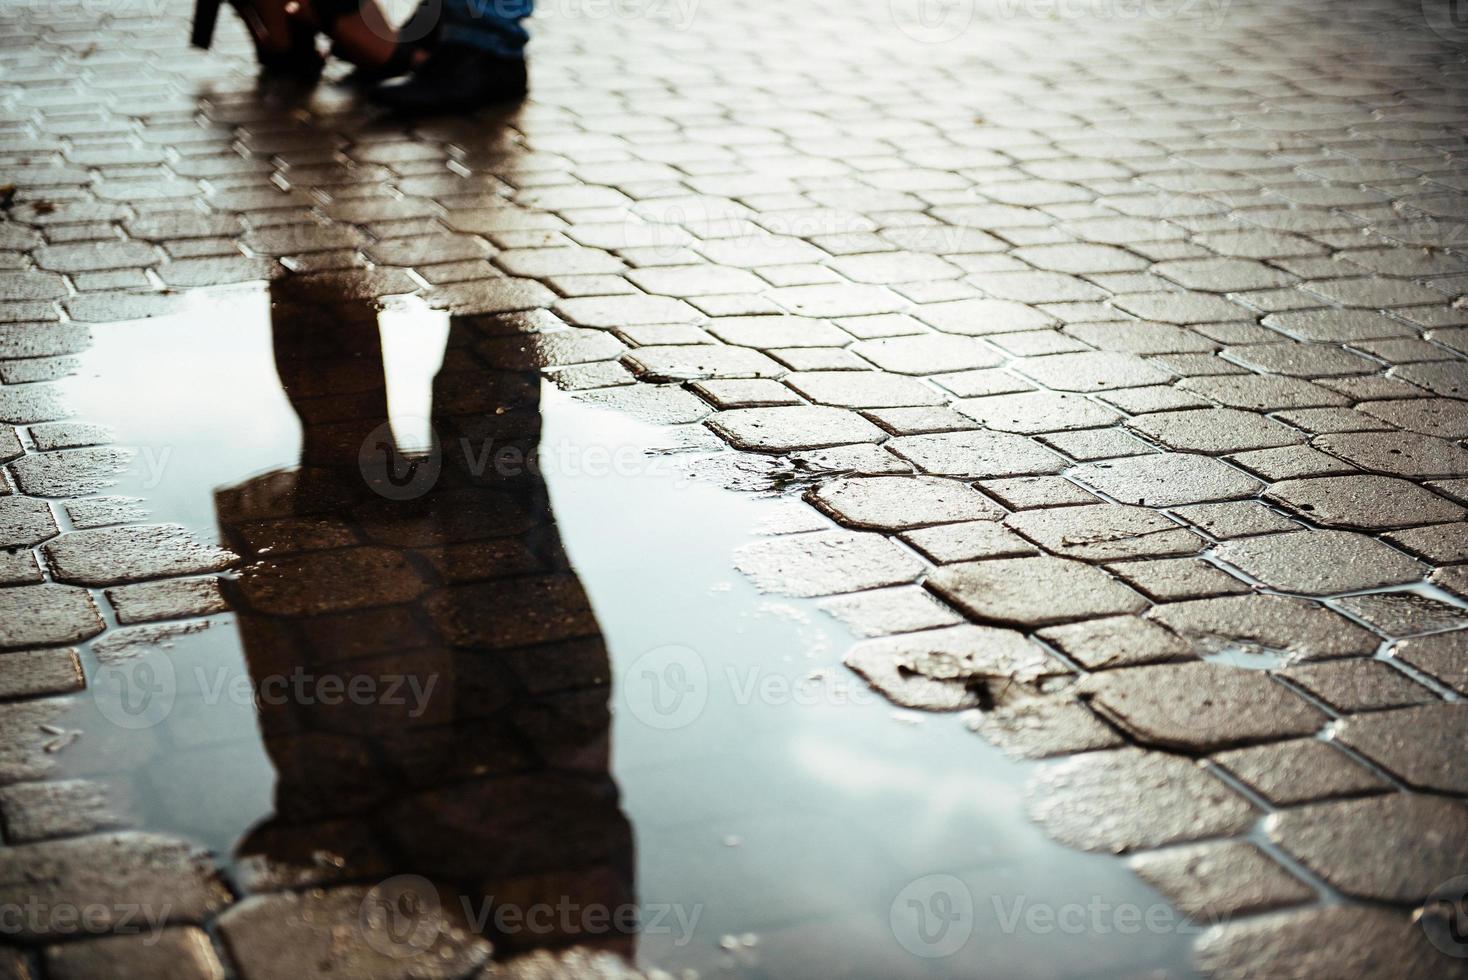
x: 479, y: 59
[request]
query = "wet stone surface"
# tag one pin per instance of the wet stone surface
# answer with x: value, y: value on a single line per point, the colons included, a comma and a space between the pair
x: 1102, y: 355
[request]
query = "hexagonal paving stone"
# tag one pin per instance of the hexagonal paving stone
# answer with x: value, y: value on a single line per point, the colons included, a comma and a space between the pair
x: 1265, y: 393
x: 1442, y: 656
x: 785, y: 429
x: 1092, y: 371
x: 1298, y: 771
x: 1421, y: 746
x: 980, y: 317
x: 1351, y: 686
x: 1365, y: 944
x: 1297, y: 627
x: 825, y: 563
x: 1105, y: 532
x: 776, y: 331
x: 1444, y: 417
x: 898, y: 503
x: 1215, y: 882
x: 696, y: 361
x: 1214, y: 430
x: 1166, y: 480
x: 1041, y: 728
x: 25, y: 521
x: 1422, y: 457
x: 1301, y: 360
x: 1132, y: 799
x: 1393, y: 848
x: 1364, y: 502
x: 977, y: 455
x: 180, y: 953
x: 863, y: 389
x: 1321, y: 562
x: 37, y: 615
x: 1200, y: 707
x: 1032, y: 591
x: 928, y: 354
x: 1034, y: 412
x: 946, y: 669
x: 1116, y: 641
x: 108, y: 556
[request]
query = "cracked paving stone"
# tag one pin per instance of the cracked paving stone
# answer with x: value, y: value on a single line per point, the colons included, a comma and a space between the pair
x: 25, y: 521
x: 46, y: 614
x: 59, y: 808
x: 110, y: 556
x: 1321, y: 562
x: 33, y: 673
x: 697, y: 361
x: 981, y: 317
x: 1364, y: 502
x: 950, y: 669
x: 900, y: 503
x: 110, y: 874
x: 1167, y: 480
x: 977, y: 455
x: 1422, y: 746
x: 1173, y: 579
x: 1116, y: 641
x: 1350, y: 686
x: 1132, y: 799
x: 70, y: 472
x: 324, y: 933
x: 1301, y: 360
x: 182, y: 953
x: 825, y: 563
x: 1364, y: 944
x: 863, y: 389
x: 169, y: 599
x: 1214, y: 430
x: 1200, y: 707
x: 927, y: 354
x: 882, y: 612
x: 1392, y: 848
x: 1443, y: 657
x: 1092, y: 371
x: 776, y: 331
x: 1443, y: 417
x: 1034, y: 412
x: 1265, y: 393
x: 1032, y: 591
x: 1299, y: 628
x: 968, y: 541
x: 1042, y: 728
x: 1404, y: 613
x: 1420, y: 457
x: 1105, y: 532
x: 783, y: 430
x: 1300, y: 771
x: 1215, y: 882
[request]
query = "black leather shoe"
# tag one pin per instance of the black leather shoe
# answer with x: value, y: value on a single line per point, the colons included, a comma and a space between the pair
x: 455, y: 78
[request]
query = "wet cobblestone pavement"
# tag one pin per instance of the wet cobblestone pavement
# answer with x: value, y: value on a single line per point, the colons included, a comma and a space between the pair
x: 1116, y: 352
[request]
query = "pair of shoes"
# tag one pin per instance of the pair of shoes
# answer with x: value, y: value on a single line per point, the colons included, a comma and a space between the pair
x: 285, y: 35
x: 455, y: 78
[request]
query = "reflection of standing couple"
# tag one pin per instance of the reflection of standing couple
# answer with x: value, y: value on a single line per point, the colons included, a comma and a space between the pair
x: 496, y: 786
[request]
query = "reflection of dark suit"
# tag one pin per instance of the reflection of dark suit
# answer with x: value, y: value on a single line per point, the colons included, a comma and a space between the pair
x: 501, y: 787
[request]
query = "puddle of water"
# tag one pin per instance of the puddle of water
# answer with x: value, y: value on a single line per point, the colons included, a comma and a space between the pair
x: 593, y: 709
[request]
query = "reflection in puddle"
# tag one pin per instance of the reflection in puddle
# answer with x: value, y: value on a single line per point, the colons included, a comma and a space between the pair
x: 589, y: 707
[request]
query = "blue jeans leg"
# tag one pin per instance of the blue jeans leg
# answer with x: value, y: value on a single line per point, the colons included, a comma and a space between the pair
x: 493, y: 26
